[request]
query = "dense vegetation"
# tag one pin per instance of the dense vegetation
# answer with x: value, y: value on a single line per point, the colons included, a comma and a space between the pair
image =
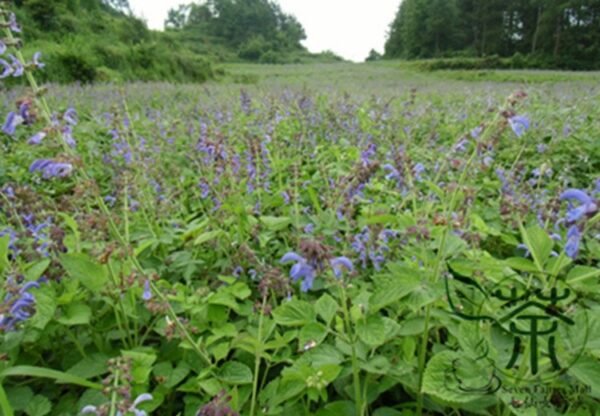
x: 100, y: 40
x: 541, y: 33
x: 90, y: 40
x: 330, y: 240
x: 251, y: 30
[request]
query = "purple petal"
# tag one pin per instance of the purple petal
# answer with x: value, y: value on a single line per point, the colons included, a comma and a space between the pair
x: 291, y: 256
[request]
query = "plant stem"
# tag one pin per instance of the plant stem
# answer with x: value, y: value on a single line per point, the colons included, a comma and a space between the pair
x: 257, y: 357
x: 355, y: 367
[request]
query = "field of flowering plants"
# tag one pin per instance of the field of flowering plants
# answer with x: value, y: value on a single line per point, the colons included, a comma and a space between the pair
x: 307, y: 240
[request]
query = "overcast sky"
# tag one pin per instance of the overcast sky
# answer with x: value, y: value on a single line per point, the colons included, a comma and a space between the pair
x: 350, y: 28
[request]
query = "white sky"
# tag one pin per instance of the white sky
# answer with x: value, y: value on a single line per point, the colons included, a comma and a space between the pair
x: 350, y: 28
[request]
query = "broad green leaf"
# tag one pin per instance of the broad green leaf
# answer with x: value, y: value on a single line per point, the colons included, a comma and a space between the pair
x: 38, y: 406
x: 19, y: 397
x: 294, y: 313
x: 234, y: 372
x: 83, y: 268
x: 448, y: 376
x: 141, y: 365
x: 76, y: 314
x: 413, y: 326
x: 587, y: 370
x: 371, y: 331
x: 539, y: 244
x: 276, y: 223
x: 208, y: 236
x: 311, y: 335
x: 392, y: 292
x: 93, y: 365
x: 337, y: 409
x: 521, y: 264
x: 36, y: 270
x: 326, y: 307
x: 581, y: 273
x: 58, y: 376
x: 45, y: 306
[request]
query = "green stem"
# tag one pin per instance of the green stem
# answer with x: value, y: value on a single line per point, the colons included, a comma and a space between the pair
x: 113, y: 395
x: 257, y: 357
x: 355, y: 367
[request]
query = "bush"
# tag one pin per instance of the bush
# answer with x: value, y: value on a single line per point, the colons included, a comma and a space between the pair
x: 253, y: 49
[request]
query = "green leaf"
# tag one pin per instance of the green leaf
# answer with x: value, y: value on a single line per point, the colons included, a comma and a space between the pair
x: 411, y: 327
x: 234, y: 372
x: 93, y: 365
x: 141, y: 365
x: 371, y: 331
x: 337, y: 408
x: 326, y: 307
x: 587, y: 370
x: 294, y: 313
x: 72, y: 224
x: 539, y: 244
x: 76, y: 314
x: 276, y: 223
x: 392, y: 291
x: 208, y: 236
x: 521, y: 264
x: 448, y: 376
x: 312, y: 334
x: 58, y: 376
x: 45, y: 306
x: 38, y: 406
x: 4, y: 404
x: 4, y: 242
x: 581, y: 273
x: 81, y: 267
x: 19, y: 397
x: 36, y: 270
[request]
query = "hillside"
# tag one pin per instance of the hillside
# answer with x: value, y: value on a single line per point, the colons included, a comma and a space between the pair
x: 101, y: 40
x: 92, y: 40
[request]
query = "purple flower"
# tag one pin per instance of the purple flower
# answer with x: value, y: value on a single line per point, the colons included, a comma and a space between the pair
x: 309, y: 228
x: 2, y: 47
x: 341, y: 262
x: 11, y: 123
x: 393, y: 172
x: 476, y: 132
x: 18, y: 304
x: 6, y: 69
x: 588, y: 206
x: 70, y: 116
x: 417, y: 170
x: 50, y: 168
x: 368, y: 153
x: 37, y: 138
x: 461, y: 146
x: 36, y: 60
x: 12, y: 23
x: 147, y: 294
x: 573, y: 239
x: 67, y: 134
x: 17, y: 66
x: 519, y: 124
x: 301, y: 270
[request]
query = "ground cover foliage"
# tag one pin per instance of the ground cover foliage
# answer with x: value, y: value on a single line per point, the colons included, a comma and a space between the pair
x: 286, y: 246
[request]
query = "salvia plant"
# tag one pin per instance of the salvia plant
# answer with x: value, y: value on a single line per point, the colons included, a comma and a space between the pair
x: 213, y: 250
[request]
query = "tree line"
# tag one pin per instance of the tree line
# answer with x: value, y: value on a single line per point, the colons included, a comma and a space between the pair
x: 554, y: 33
x: 256, y: 29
